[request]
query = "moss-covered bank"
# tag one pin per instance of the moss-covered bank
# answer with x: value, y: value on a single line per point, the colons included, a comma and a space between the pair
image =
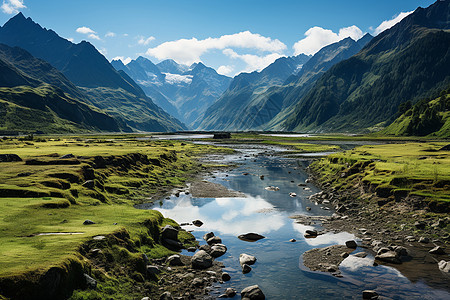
x: 45, y: 247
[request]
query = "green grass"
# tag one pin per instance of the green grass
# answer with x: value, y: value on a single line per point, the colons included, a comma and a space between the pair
x: 417, y: 168
x: 49, y: 198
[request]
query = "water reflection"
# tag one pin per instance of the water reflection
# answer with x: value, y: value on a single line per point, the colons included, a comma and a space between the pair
x: 265, y: 212
x: 225, y: 216
x: 323, y: 239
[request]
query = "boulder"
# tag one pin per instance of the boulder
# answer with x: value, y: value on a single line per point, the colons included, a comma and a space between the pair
x: 251, y: 236
x: 246, y: 259
x: 369, y: 294
x: 401, y: 251
x: 252, y: 293
x: 91, y: 283
x: 226, y: 276
x: 205, y: 247
x: 214, y: 240
x: 444, y: 266
x: 88, y: 222
x: 218, y: 250
x: 208, y: 235
x: 389, y: 256
x: 174, y: 260
x: 246, y: 268
x: 169, y: 232
x: 201, y: 260
x: 230, y: 292
x: 172, y: 244
x: 197, y: 223
x: 360, y: 254
x: 310, y: 233
x: 438, y: 250
x: 351, y: 244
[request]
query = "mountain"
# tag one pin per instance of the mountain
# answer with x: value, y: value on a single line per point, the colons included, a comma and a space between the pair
x: 240, y: 108
x: 427, y: 117
x: 106, y: 88
x: 268, y: 105
x: 36, y: 96
x: 406, y: 62
x: 183, y: 91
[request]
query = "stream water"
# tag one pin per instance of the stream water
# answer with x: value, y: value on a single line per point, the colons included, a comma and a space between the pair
x: 279, y: 271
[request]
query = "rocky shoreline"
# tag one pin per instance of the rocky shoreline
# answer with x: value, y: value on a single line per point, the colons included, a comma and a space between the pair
x: 182, y: 277
x: 397, y: 234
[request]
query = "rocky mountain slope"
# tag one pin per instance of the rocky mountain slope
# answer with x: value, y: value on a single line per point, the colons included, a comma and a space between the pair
x: 183, y: 91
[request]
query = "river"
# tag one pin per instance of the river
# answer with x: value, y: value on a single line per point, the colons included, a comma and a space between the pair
x: 279, y: 271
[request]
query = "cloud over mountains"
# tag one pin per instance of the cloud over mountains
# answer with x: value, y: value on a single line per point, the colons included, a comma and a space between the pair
x: 12, y: 6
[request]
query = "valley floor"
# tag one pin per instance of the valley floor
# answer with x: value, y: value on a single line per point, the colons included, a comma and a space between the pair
x: 50, y: 187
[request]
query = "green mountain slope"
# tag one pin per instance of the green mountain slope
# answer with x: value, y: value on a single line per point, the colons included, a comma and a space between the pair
x: 426, y: 117
x: 242, y: 106
x: 83, y: 65
x: 47, y: 109
x: 29, y: 103
x: 407, y: 62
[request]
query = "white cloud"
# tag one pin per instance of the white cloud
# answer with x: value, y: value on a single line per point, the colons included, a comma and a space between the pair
x: 12, y: 6
x: 178, y: 79
x: 225, y: 70
x: 188, y: 51
x: 89, y: 32
x: 85, y: 30
x: 110, y: 34
x: 318, y: 37
x: 254, y: 62
x: 125, y: 60
x: 94, y: 36
x: 145, y: 41
x: 389, y: 23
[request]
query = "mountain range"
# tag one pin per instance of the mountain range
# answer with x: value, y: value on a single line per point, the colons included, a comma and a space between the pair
x: 98, y: 83
x: 35, y: 95
x: 183, y: 91
x: 406, y: 62
x: 348, y: 86
x: 263, y: 99
x: 240, y: 108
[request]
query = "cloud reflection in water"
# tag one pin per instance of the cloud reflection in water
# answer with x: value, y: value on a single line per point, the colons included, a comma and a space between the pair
x: 232, y: 216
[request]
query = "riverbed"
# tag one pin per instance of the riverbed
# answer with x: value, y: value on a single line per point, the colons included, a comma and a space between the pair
x: 279, y: 270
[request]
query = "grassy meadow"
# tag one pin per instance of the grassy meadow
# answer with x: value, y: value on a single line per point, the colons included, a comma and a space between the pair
x: 393, y: 170
x: 45, y: 194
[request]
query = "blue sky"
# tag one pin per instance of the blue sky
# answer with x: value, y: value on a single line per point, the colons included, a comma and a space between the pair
x: 231, y: 36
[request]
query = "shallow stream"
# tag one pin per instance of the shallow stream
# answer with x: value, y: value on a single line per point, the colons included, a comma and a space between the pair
x: 279, y: 271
